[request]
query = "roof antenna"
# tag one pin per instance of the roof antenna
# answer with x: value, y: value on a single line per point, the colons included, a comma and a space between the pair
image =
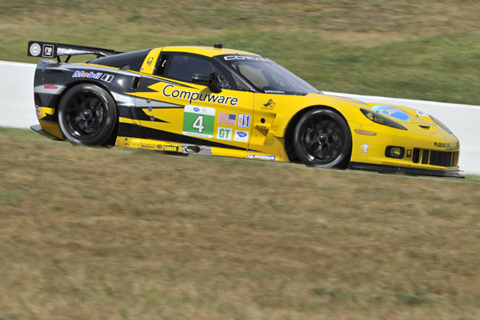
x: 218, y: 45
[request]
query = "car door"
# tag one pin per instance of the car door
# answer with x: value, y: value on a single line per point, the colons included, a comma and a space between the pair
x: 175, y: 109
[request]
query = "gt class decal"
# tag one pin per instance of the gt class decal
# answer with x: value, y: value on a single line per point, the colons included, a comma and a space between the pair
x: 224, y: 133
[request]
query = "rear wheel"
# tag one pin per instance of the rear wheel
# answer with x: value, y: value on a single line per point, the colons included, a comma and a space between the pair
x: 87, y: 115
x: 322, y: 138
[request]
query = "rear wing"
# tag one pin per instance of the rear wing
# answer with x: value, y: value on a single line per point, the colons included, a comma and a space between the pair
x: 55, y: 50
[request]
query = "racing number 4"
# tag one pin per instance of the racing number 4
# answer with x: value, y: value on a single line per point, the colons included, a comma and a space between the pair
x: 198, y: 124
x: 198, y: 121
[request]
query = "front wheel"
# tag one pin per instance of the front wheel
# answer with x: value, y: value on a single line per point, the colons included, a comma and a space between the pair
x: 87, y: 115
x: 322, y: 139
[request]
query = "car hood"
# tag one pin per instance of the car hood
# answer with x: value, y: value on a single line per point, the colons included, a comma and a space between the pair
x: 415, y: 121
x: 401, y: 114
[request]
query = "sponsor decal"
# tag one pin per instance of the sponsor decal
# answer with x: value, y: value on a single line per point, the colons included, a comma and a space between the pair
x: 224, y: 133
x: 227, y: 118
x: 166, y: 146
x: 48, y: 50
x: 275, y: 91
x: 261, y: 157
x: 148, y: 145
x: 365, y: 148
x: 170, y: 146
x: 269, y: 105
x: 93, y: 75
x: 169, y: 91
x: 409, y: 153
x: 392, y: 111
x: 198, y: 121
x: 35, y: 49
x: 39, y: 112
x: 442, y: 145
x: 107, y: 78
x: 245, y: 57
x: 243, y: 120
x: 241, y: 136
x: 90, y: 75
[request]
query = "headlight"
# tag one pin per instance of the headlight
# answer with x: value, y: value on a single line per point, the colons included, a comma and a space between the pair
x: 441, y: 125
x: 381, y: 119
x: 395, y: 152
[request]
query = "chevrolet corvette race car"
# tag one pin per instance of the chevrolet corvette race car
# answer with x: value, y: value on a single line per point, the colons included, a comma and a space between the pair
x: 224, y: 102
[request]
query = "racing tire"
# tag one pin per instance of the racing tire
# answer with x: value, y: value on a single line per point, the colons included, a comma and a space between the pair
x: 322, y: 139
x: 87, y: 115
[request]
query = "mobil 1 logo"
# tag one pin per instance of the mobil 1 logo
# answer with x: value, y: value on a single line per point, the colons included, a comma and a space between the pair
x: 198, y: 121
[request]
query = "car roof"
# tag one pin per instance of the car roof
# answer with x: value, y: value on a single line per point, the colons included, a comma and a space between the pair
x: 205, y: 51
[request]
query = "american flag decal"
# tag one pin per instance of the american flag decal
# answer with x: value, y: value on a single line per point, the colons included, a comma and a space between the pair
x: 227, y: 118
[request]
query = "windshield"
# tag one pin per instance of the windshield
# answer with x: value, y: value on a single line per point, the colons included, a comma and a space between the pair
x: 267, y: 76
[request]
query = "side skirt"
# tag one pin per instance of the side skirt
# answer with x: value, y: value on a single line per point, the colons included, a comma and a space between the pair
x: 409, y: 171
x: 37, y: 128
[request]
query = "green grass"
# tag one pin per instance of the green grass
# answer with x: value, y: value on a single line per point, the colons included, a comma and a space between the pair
x: 423, y: 51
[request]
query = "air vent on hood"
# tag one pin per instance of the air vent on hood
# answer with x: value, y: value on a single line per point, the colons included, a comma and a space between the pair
x: 425, y: 127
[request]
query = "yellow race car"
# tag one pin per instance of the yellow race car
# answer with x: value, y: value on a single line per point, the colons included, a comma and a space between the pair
x: 224, y: 102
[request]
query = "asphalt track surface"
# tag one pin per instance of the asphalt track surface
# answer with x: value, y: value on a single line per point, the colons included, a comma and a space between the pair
x: 17, y: 110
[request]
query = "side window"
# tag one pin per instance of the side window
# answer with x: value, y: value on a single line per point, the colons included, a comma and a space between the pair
x: 162, y: 64
x: 183, y: 67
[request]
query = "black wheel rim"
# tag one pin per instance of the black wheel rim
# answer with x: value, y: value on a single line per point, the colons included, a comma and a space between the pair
x: 85, y: 115
x: 322, y: 140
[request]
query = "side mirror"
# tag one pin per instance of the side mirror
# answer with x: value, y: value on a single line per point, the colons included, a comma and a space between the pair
x: 206, y: 81
x: 200, y: 79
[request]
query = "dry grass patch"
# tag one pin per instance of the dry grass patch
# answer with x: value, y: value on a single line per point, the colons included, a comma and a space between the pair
x: 108, y: 233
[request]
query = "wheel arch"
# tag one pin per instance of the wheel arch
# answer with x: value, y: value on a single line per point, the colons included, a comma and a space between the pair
x: 289, y: 149
x: 73, y: 84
